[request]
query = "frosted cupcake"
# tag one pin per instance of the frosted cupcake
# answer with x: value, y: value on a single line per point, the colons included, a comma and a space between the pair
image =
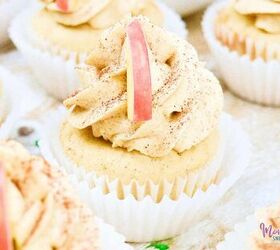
x: 146, y: 133
x: 246, y: 35
x: 39, y: 209
x: 260, y: 232
x: 60, y: 34
x: 8, y: 10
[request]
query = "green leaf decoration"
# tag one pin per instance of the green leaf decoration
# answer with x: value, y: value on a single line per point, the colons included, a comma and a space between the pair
x: 159, y: 246
x: 36, y: 143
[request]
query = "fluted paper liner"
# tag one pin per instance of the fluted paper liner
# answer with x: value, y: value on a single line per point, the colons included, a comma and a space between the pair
x: 55, y: 68
x: 143, y: 218
x: 253, y: 79
x: 239, y: 238
x: 8, y: 10
x: 109, y: 238
x: 12, y: 105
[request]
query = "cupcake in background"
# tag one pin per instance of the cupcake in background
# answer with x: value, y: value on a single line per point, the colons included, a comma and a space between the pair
x: 59, y: 34
x: 145, y: 139
x: 39, y: 209
x: 244, y: 36
x: 187, y: 7
x: 4, y: 107
x: 259, y: 232
x: 8, y: 10
x: 10, y: 102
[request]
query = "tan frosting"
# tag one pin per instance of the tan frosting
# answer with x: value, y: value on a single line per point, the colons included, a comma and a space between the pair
x: 266, y: 13
x: 101, y: 14
x: 43, y: 212
x: 187, y: 98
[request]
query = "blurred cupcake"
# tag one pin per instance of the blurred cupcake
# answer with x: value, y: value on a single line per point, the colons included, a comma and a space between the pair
x: 145, y: 136
x: 3, y: 104
x: 260, y: 232
x: 39, y: 209
x: 9, y: 111
x: 8, y: 10
x: 16, y: 99
x: 244, y: 36
x: 57, y: 36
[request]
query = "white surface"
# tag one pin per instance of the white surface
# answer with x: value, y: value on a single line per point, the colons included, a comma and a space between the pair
x: 239, y: 238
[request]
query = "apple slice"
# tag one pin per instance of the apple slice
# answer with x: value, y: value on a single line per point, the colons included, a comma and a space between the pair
x: 5, y: 237
x: 139, y: 83
x: 62, y: 5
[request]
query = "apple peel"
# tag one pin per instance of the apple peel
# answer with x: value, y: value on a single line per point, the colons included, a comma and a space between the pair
x: 62, y: 5
x: 139, y: 83
x: 5, y: 237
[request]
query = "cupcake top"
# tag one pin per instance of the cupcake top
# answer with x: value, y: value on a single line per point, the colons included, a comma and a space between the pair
x: 42, y: 210
x: 99, y: 14
x: 265, y: 12
x: 76, y: 25
x: 187, y: 99
x: 269, y: 219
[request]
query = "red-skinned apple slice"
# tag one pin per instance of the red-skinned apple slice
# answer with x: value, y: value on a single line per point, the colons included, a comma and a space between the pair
x: 62, y: 5
x: 139, y: 84
x: 5, y: 239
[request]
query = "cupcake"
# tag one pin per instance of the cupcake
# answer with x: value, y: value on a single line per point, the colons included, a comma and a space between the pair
x: 8, y: 10
x: 9, y: 111
x: 76, y: 27
x: 246, y: 34
x: 16, y: 100
x: 40, y: 211
x: 146, y: 136
x: 3, y: 104
x: 259, y: 232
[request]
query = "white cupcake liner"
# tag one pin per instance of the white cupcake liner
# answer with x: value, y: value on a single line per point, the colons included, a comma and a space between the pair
x: 200, y: 179
x: 187, y: 7
x: 54, y: 68
x: 8, y: 10
x: 146, y: 220
x: 20, y: 97
x: 255, y: 80
x: 239, y: 238
x: 109, y: 238
x: 11, y: 107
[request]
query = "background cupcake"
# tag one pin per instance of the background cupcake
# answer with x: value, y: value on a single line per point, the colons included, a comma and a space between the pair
x: 258, y: 232
x: 39, y: 209
x: 152, y: 178
x: 245, y: 35
x: 9, y: 99
x: 8, y: 10
x: 74, y: 33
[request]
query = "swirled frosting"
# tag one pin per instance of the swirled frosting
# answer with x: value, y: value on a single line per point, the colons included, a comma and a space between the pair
x: 43, y: 212
x: 187, y: 98
x: 101, y: 14
x: 266, y: 13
